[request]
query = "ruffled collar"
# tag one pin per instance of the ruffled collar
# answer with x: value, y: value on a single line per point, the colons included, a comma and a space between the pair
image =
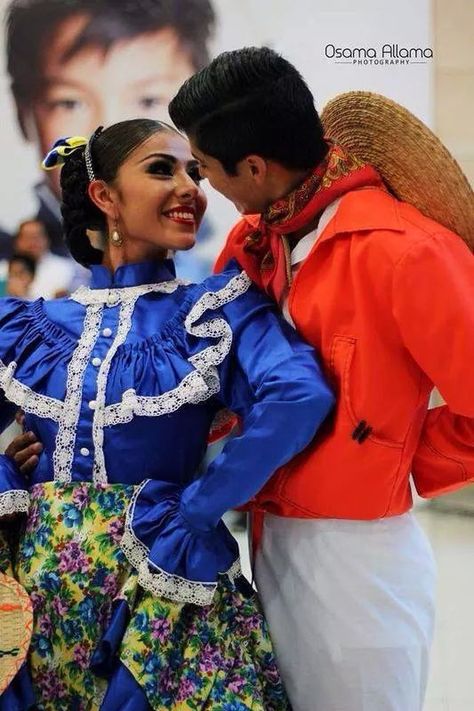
x: 132, y: 274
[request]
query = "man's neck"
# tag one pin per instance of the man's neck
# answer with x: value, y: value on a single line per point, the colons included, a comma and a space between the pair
x: 285, y: 181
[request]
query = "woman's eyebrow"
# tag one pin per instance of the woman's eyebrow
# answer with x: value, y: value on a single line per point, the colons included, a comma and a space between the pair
x: 166, y: 156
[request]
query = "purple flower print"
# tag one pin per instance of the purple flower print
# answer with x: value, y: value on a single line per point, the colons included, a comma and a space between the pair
x: 110, y: 585
x: 236, y: 685
x: 37, y: 600
x: 160, y: 630
x: 33, y: 519
x: 45, y: 625
x: 115, y: 531
x: 72, y: 559
x: 81, y: 655
x: 50, y: 684
x: 167, y: 680
x: 187, y: 688
x: 37, y: 492
x: 210, y: 659
x: 59, y: 606
x: 80, y: 497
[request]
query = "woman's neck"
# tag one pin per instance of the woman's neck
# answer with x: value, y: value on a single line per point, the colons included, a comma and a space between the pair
x: 130, y: 253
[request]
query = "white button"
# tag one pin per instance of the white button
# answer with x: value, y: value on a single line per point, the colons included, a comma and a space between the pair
x: 92, y: 404
x: 107, y: 332
x: 112, y: 299
x: 85, y: 452
x: 96, y: 362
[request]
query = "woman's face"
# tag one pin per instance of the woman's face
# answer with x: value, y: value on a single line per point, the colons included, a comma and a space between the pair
x: 156, y: 194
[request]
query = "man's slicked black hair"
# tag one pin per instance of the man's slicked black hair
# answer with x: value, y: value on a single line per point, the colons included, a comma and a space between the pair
x: 32, y: 23
x: 247, y: 101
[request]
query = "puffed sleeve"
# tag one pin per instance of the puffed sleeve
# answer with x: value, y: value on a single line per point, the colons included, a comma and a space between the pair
x: 274, y: 382
x: 14, y: 497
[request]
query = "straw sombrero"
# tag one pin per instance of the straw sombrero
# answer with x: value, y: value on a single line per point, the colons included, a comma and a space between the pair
x: 16, y: 623
x: 413, y: 162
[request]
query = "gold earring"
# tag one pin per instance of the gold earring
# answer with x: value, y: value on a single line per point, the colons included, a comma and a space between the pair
x: 116, y: 238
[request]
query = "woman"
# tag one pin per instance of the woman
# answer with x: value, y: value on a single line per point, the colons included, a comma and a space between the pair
x: 138, y: 597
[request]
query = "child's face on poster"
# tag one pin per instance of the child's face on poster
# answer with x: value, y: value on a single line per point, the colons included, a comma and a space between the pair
x: 136, y: 77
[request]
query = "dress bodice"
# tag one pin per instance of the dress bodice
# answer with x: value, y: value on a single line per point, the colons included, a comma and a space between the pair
x: 122, y: 380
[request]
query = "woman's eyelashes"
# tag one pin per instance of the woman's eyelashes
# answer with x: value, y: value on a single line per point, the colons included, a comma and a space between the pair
x: 166, y: 169
x: 161, y: 167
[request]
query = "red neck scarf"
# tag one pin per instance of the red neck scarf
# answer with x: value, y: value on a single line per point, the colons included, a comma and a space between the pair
x: 262, y: 253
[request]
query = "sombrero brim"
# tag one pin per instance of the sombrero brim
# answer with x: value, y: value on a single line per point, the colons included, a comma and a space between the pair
x: 413, y: 162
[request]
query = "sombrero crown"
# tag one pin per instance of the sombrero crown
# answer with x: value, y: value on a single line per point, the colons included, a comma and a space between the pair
x: 413, y: 162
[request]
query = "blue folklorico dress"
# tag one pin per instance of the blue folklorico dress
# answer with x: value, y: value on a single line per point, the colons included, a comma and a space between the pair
x: 137, y: 593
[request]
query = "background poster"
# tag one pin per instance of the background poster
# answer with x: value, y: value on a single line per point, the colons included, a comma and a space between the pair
x: 337, y: 45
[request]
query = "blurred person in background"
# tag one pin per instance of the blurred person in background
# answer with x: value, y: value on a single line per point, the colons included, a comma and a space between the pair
x: 5, y: 245
x: 54, y: 274
x: 21, y: 273
x: 83, y: 63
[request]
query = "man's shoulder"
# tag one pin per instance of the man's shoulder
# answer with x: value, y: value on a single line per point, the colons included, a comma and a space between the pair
x: 387, y: 222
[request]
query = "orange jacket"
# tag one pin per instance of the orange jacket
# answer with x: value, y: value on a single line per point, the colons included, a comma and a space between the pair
x: 387, y: 297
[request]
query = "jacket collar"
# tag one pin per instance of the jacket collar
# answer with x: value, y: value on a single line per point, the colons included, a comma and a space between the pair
x: 359, y: 210
x: 366, y: 209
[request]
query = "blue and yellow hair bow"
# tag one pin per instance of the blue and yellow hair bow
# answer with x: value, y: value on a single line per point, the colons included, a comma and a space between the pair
x: 61, y: 150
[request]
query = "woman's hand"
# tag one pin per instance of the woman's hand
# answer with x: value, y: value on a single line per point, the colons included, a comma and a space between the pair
x: 24, y: 450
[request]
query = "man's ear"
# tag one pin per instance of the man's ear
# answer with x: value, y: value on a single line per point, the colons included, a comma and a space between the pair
x: 103, y: 197
x: 257, y: 168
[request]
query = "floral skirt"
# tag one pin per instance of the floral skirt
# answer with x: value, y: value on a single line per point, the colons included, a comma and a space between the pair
x: 99, y: 637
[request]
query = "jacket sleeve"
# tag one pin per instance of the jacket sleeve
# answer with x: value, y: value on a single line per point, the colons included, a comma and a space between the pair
x: 433, y: 301
x: 275, y: 384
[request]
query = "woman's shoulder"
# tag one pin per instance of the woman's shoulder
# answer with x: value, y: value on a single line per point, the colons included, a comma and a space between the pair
x: 229, y: 285
x: 24, y: 323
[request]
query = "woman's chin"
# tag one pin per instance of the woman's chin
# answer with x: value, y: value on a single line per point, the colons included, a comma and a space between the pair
x: 185, y: 242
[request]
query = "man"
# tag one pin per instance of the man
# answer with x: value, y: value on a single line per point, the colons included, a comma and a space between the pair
x: 54, y: 275
x: 83, y: 63
x: 387, y: 297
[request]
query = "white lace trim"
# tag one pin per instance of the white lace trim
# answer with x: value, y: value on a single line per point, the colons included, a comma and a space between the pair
x: 25, y: 397
x: 124, y: 325
x: 112, y: 297
x: 66, y: 436
x: 14, y: 501
x: 199, y: 385
x: 192, y: 389
x: 159, y: 582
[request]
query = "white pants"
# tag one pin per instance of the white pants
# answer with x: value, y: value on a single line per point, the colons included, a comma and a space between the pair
x: 350, y: 606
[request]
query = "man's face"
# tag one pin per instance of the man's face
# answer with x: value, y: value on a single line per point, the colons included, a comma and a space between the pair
x: 241, y: 189
x: 136, y: 78
x: 32, y: 240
